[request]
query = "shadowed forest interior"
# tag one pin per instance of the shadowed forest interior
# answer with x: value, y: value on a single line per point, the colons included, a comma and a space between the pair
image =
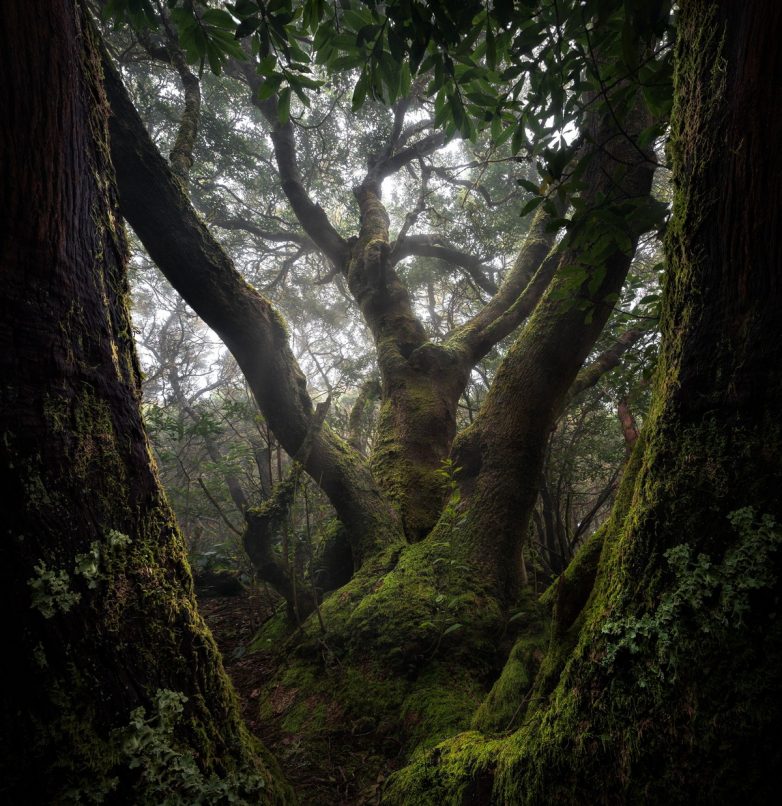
x: 390, y: 401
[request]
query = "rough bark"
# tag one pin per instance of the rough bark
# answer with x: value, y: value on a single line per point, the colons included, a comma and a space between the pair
x: 500, y: 455
x: 100, y: 626
x: 671, y: 692
x: 184, y: 250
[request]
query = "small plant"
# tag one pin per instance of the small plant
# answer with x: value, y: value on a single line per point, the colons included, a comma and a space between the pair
x: 88, y: 565
x: 51, y: 588
x: 50, y: 591
x: 169, y: 776
x: 713, y: 594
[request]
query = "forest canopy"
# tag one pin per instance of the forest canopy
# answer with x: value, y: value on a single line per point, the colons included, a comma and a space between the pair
x: 460, y: 366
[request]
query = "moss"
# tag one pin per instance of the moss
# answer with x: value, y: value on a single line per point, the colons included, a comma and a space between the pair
x: 408, y: 645
x: 441, y: 704
x: 456, y: 772
x: 274, y: 632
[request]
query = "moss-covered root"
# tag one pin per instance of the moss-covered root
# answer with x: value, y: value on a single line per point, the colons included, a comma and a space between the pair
x: 400, y: 665
x: 504, y: 707
x: 457, y: 772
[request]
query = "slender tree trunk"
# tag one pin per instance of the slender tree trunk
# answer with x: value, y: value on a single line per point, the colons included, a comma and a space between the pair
x: 98, y: 611
x: 628, y: 424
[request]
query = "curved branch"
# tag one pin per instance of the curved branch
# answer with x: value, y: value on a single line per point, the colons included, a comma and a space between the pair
x: 181, y: 156
x: 176, y: 238
x: 518, y: 295
x: 390, y: 165
x: 436, y: 247
x: 278, y: 236
x: 607, y: 360
x: 310, y: 215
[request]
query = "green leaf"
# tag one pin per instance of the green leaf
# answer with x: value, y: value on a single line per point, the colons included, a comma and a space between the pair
x: 531, y: 205
x: 284, y: 105
x: 218, y: 18
x: 360, y: 90
x: 247, y: 26
x: 532, y: 187
x: 491, y: 46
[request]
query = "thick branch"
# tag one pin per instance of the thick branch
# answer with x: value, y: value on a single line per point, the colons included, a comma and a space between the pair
x: 518, y: 295
x: 436, y: 247
x: 181, y: 156
x: 390, y: 165
x: 502, y: 452
x: 382, y: 297
x: 195, y: 264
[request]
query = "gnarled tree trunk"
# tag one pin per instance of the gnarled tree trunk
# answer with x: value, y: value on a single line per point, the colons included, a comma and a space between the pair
x: 662, y: 684
x: 114, y: 687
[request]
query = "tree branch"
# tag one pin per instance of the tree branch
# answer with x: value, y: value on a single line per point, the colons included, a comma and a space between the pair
x: 177, y: 240
x: 436, y: 247
x: 605, y: 362
x: 181, y: 156
x: 516, y: 298
x: 310, y: 215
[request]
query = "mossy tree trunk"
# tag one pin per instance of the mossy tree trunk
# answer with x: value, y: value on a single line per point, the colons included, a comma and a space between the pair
x: 410, y: 644
x: 438, y: 555
x: 114, y: 689
x: 662, y: 681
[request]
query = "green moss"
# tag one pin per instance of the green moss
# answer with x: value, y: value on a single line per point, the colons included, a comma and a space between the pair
x: 408, y: 644
x: 455, y: 773
x: 440, y: 704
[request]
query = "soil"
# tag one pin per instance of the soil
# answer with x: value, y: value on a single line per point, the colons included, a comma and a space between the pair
x: 234, y: 621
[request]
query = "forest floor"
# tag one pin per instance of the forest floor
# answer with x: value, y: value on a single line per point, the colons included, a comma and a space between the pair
x: 234, y: 621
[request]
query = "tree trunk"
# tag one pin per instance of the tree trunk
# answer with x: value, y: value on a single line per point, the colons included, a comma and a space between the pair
x: 114, y: 687
x: 501, y: 454
x: 665, y: 688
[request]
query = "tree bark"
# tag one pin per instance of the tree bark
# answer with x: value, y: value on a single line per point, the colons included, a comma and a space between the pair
x: 98, y: 611
x: 501, y: 453
x: 667, y: 688
x: 180, y: 244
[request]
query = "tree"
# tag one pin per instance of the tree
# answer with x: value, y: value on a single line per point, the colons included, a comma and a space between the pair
x: 434, y: 528
x: 421, y: 380
x: 661, y: 680
x: 114, y: 687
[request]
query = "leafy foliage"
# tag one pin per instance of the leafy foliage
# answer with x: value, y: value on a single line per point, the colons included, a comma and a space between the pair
x: 708, y: 596
x: 529, y: 73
